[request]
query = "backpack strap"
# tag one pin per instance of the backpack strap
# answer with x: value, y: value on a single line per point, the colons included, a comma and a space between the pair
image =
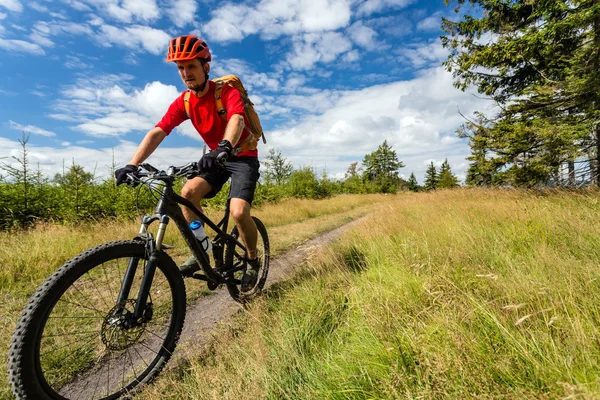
x: 220, y: 108
x: 186, y: 102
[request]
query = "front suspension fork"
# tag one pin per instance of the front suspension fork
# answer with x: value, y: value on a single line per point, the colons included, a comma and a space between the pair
x: 153, y: 249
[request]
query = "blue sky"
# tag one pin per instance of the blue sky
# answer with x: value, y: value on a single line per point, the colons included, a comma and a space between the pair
x: 331, y: 79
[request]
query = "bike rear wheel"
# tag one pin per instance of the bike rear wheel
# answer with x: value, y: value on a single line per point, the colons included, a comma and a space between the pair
x: 235, y: 258
x: 74, y: 342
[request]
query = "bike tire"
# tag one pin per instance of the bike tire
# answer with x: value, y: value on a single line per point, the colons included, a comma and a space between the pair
x: 30, y: 372
x: 233, y: 256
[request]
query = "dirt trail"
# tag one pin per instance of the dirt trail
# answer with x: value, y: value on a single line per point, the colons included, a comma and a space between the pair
x: 203, y: 316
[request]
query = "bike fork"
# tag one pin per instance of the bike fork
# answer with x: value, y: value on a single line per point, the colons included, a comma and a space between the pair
x: 152, y: 247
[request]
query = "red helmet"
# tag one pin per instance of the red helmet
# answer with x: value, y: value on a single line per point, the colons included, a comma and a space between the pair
x: 188, y: 47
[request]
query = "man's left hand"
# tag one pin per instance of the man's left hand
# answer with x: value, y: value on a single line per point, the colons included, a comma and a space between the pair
x: 217, y: 157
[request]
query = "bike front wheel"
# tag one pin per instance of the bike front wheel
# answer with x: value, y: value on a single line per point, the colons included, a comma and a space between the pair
x: 74, y: 341
x: 235, y: 259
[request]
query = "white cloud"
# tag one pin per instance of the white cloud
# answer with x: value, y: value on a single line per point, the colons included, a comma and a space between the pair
x: 21, y: 46
x: 274, y: 18
x: 368, y: 7
x: 12, y: 5
x: 77, y: 5
x: 363, y: 35
x: 418, y: 118
x: 106, y: 107
x: 125, y: 11
x: 135, y: 37
x: 313, y: 48
x: 43, y: 41
x: 30, y: 129
x: 423, y: 55
x: 38, y: 7
x: 431, y: 23
x: 2, y: 16
x: 181, y: 12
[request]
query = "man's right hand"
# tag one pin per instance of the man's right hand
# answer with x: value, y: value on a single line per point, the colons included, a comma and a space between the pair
x: 121, y: 173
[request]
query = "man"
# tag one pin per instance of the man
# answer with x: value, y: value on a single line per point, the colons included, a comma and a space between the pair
x: 192, y: 57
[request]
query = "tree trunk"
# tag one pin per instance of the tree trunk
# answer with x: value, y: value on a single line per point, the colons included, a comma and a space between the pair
x: 596, y: 171
x: 571, y: 164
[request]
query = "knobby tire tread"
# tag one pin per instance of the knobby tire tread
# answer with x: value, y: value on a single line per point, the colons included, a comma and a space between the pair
x: 21, y: 363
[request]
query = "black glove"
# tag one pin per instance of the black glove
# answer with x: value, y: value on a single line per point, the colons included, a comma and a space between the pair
x: 121, y: 173
x: 216, y: 158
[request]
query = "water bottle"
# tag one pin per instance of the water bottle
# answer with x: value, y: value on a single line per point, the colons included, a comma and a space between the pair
x: 198, y: 230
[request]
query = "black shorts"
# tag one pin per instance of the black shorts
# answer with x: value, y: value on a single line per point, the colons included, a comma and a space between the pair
x: 244, y: 174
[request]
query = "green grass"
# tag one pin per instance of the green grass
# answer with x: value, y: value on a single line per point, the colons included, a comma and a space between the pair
x: 27, y: 258
x: 465, y: 294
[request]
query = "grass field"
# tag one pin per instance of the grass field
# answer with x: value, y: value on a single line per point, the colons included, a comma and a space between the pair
x: 465, y: 294
x: 28, y: 258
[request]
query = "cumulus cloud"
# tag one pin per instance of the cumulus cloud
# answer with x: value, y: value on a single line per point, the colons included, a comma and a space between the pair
x: 181, y: 12
x: 135, y: 37
x: 30, y: 129
x: 274, y: 18
x: 313, y: 48
x: 107, y: 106
x: 417, y: 117
x: 12, y: 5
x: 363, y: 35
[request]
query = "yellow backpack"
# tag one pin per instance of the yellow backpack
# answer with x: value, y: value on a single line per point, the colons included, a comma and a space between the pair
x: 251, y: 142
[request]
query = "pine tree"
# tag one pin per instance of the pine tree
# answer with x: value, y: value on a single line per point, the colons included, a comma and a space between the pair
x: 381, y: 169
x: 446, y: 178
x: 412, y: 183
x: 541, y: 64
x: 431, y: 178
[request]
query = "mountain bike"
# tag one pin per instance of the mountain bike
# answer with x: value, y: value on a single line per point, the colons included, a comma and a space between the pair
x: 108, y: 320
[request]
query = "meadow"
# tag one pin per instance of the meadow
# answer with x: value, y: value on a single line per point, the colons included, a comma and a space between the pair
x: 463, y: 294
x: 456, y: 294
x: 28, y: 257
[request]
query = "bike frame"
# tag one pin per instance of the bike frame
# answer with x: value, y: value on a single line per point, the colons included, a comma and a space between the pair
x: 166, y: 209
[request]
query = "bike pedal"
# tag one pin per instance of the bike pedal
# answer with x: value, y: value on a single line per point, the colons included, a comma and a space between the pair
x: 200, y: 277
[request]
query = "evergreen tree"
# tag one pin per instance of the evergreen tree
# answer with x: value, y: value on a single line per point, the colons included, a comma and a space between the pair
x: 412, y: 183
x: 540, y: 61
x: 446, y: 179
x: 278, y: 168
x: 381, y: 169
x: 431, y: 178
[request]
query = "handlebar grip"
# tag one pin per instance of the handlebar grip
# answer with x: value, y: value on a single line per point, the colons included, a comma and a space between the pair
x: 222, y: 159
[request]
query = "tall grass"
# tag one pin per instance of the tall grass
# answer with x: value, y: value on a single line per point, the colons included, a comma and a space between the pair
x: 454, y: 294
x: 29, y: 257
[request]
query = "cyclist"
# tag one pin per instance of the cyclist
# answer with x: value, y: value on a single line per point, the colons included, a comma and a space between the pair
x: 192, y: 56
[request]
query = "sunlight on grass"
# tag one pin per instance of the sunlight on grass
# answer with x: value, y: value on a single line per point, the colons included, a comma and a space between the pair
x: 29, y: 257
x: 455, y: 294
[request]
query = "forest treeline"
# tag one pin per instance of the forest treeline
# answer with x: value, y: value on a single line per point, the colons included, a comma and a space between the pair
x: 539, y: 61
x: 28, y: 196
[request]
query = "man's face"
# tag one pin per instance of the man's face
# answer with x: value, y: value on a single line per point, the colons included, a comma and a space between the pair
x: 192, y: 73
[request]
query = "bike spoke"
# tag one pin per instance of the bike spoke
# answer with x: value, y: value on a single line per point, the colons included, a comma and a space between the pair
x: 96, y: 287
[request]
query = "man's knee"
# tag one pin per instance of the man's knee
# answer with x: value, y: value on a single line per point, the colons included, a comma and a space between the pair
x: 195, y: 189
x: 239, y: 209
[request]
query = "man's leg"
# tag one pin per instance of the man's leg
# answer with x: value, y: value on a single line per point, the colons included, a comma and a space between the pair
x: 194, y: 190
x: 240, y: 212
